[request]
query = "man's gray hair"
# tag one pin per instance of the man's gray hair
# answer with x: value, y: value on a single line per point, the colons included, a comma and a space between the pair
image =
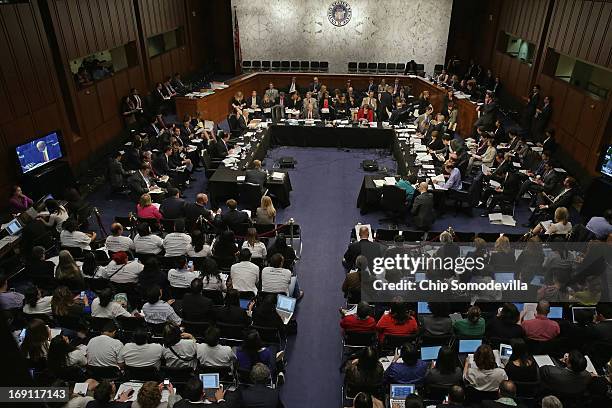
x: 361, y: 263
x: 260, y: 374
x: 551, y: 402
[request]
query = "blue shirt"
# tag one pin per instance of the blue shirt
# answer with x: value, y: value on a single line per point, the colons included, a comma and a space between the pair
x: 454, y: 180
x: 407, y: 187
x: 400, y: 373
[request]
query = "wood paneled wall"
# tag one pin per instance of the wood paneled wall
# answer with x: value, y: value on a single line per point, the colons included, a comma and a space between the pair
x: 582, y: 29
x: 160, y: 16
x: 30, y: 100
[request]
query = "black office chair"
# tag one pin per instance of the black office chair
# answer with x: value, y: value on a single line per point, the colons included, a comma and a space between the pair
x: 315, y: 66
x: 438, y: 69
x: 149, y: 373
x: 231, y: 333
x: 270, y: 335
x: 362, y: 67
x: 178, y: 293
x: 276, y: 65
x: 420, y: 68
x: 215, y: 295
x: 285, y: 66
x: 391, y: 67
x: 372, y: 67
x: 391, y: 342
x: 400, y: 67
x: 266, y: 65
x: 250, y: 195
x: 103, y: 373
x: 295, y: 65
x: 353, y: 341
x: 256, y: 65
x: 471, y: 197
x: 304, y: 66
x: 198, y: 329
x: 324, y: 66
x: 352, y: 67
x: 382, y: 67
x: 246, y: 66
x: 393, y: 202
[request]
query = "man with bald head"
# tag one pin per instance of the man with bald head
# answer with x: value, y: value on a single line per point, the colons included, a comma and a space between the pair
x: 363, y: 246
x: 193, y: 211
x: 541, y: 328
x: 256, y: 175
x: 116, y: 242
x: 507, y: 397
x: 423, y: 208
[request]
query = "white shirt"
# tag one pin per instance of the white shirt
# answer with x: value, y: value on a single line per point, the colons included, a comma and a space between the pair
x: 119, y: 243
x: 204, y: 252
x: 76, y: 239
x: 159, y: 312
x: 245, y: 276
x: 213, y: 283
x: 145, y: 355
x: 177, y: 244
x: 111, y: 311
x: 186, y: 349
x: 127, y: 273
x: 78, y: 357
x: 218, y: 356
x: 104, y: 351
x: 149, y: 244
x: 257, y: 251
x: 181, y: 278
x: 43, y: 306
x: 275, y: 280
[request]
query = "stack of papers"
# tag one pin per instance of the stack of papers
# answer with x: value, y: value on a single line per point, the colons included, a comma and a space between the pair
x: 379, y: 183
x: 278, y: 176
x: 502, y: 219
x: 389, y: 181
x: 240, y: 179
x: 494, y: 184
x: 438, y: 179
x: 543, y: 360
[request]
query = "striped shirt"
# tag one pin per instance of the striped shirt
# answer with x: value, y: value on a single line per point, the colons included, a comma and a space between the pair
x: 160, y: 312
x: 275, y: 280
x: 177, y: 244
x: 181, y: 278
x: 149, y: 244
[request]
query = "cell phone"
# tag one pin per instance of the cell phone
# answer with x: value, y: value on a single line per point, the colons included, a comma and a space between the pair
x: 166, y: 383
x: 190, y: 264
x: 82, y: 295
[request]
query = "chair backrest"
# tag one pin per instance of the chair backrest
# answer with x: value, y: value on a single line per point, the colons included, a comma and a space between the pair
x: 324, y: 66
x: 315, y: 65
x: 256, y: 64
x: 246, y: 64
x: 442, y: 340
x: 269, y: 335
x: 178, y: 293
x: 391, y: 66
x: 304, y: 64
x: 393, y: 198
x: 103, y: 373
x: 149, y: 373
x: 359, y: 339
x: 372, y: 66
x: 295, y: 64
x: 382, y: 66
x: 231, y: 331
x: 198, y: 329
x: 420, y: 67
x: 76, y: 252
x: 390, y: 342
x: 178, y: 374
x: 400, y: 67
x: 215, y: 295
x: 285, y: 64
x: 276, y: 64
x: 97, y: 324
x: 265, y: 64
x: 249, y: 195
x: 362, y: 66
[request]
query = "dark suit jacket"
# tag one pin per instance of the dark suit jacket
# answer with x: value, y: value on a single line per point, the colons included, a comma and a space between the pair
x: 116, y: 174
x: 232, y: 315
x: 137, y: 184
x: 197, y: 308
x: 364, y: 247
x: 312, y: 87
x: 488, y: 114
x: 511, y: 186
x: 161, y: 164
x: 172, y: 208
x: 233, y: 218
x: 603, y: 330
x: 132, y: 159
x: 194, y: 210
x: 260, y: 396
x: 563, y: 380
x: 40, y: 268
x: 297, y: 88
x: 565, y: 200
x: 249, y: 101
x: 256, y: 177
x: 220, y: 149
x: 291, y: 104
x: 386, y: 103
x: 422, y: 210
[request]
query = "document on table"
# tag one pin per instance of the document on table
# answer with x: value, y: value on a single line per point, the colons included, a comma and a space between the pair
x: 278, y: 176
x: 495, y: 218
x: 164, y: 178
x: 390, y: 181
x: 494, y: 184
x: 438, y: 179
x: 324, y: 110
x: 529, y: 311
x: 428, y: 166
x: 240, y: 179
x: 378, y: 183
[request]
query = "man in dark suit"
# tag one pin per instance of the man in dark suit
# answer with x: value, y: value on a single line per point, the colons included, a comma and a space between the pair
x: 603, y: 328
x: 221, y: 147
x: 37, y: 266
x: 411, y: 68
x: 140, y: 182
x: 507, y: 397
x: 386, y: 104
x: 116, y: 173
x: 547, y: 204
x: 162, y: 164
x: 315, y: 86
x: 547, y: 181
x: 572, y: 379
x: 549, y: 143
x: 363, y: 246
x: 194, y: 395
x: 173, y: 207
x: 197, y: 209
x: 232, y: 218
x: 488, y: 113
x: 507, y: 192
x: 259, y: 394
x: 254, y: 101
x: 293, y: 87
x: 256, y: 175
x: 423, y: 208
x: 541, y: 119
x: 132, y: 158
x: 530, y: 109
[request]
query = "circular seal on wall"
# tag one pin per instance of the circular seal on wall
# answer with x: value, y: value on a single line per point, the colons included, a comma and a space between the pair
x: 339, y: 13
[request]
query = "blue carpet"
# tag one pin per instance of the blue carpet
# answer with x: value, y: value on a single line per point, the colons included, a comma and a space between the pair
x: 325, y: 184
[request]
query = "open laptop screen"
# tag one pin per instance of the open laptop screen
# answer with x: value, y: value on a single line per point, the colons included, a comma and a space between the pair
x: 401, y: 391
x: 469, y: 346
x: 423, y: 308
x: 14, y: 227
x: 430, y: 353
x: 285, y: 303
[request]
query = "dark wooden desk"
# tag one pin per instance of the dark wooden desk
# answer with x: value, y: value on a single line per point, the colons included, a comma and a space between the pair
x: 216, y: 107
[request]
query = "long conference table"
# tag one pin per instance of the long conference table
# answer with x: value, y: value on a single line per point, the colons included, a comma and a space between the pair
x: 216, y: 106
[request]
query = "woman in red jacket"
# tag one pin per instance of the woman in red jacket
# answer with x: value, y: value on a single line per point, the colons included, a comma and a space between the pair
x: 397, y: 322
x: 365, y: 114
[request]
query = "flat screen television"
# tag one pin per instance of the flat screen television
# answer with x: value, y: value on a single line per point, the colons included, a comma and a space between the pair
x: 39, y: 152
x: 606, y: 162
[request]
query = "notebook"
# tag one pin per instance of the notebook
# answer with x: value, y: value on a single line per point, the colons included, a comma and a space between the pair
x: 285, y: 306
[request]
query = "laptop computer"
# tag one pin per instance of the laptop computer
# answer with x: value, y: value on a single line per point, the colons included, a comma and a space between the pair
x: 582, y: 311
x: 504, y: 277
x: 469, y: 346
x: 423, y: 308
x: 398, y: 394
x: 14, y: 227
x: 285, y: 306
x: 419, y: 276
x: 244, y: 303
x: 505, y: 351
x: 210, y: 383
x: 430, y: 353
x: 538, y: 280
x: 556, y: 312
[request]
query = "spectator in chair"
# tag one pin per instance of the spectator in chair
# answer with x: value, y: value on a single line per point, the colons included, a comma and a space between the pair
x: 364, y: 372
x: 177, y: 243
x: 139, y: 352
x: 146, y: 209
x: 116, y: 242
x: 36, y: 266
x: 147, y: 243
x: 72, y: 238
x: 231, y: 312
x: 245, y: 274
x: 18, y: 201
x: 173, y: 207
x: 446, y: 369
x: 541, y: 328
x: 364, y: 400
x: 472, y: 326
x: 521, y: 366
x: 155, y: 310
x: 260, y: 394
x: 505, y: 324
x: 105, y: 350
x: 233, y: 217
x: 104, y: 307
x: 266, y: 213
x: 254, y: 245
x: 485, y: 376
x: 9, y: 299
x: 398, y: 322
x: 182, y: 275
x: 507, y: 397
x: 256, y: 175
x: 35, y: 303
x: 180, y: 348
x: 359, y: 322
x: 411, y: 371
x: 423, y: 208
x: 352, y: 281
x: 279, y: 246
x: 438, y: 323
x: 120, y: 269
x: 211, y: 353
x: 572, y: 379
